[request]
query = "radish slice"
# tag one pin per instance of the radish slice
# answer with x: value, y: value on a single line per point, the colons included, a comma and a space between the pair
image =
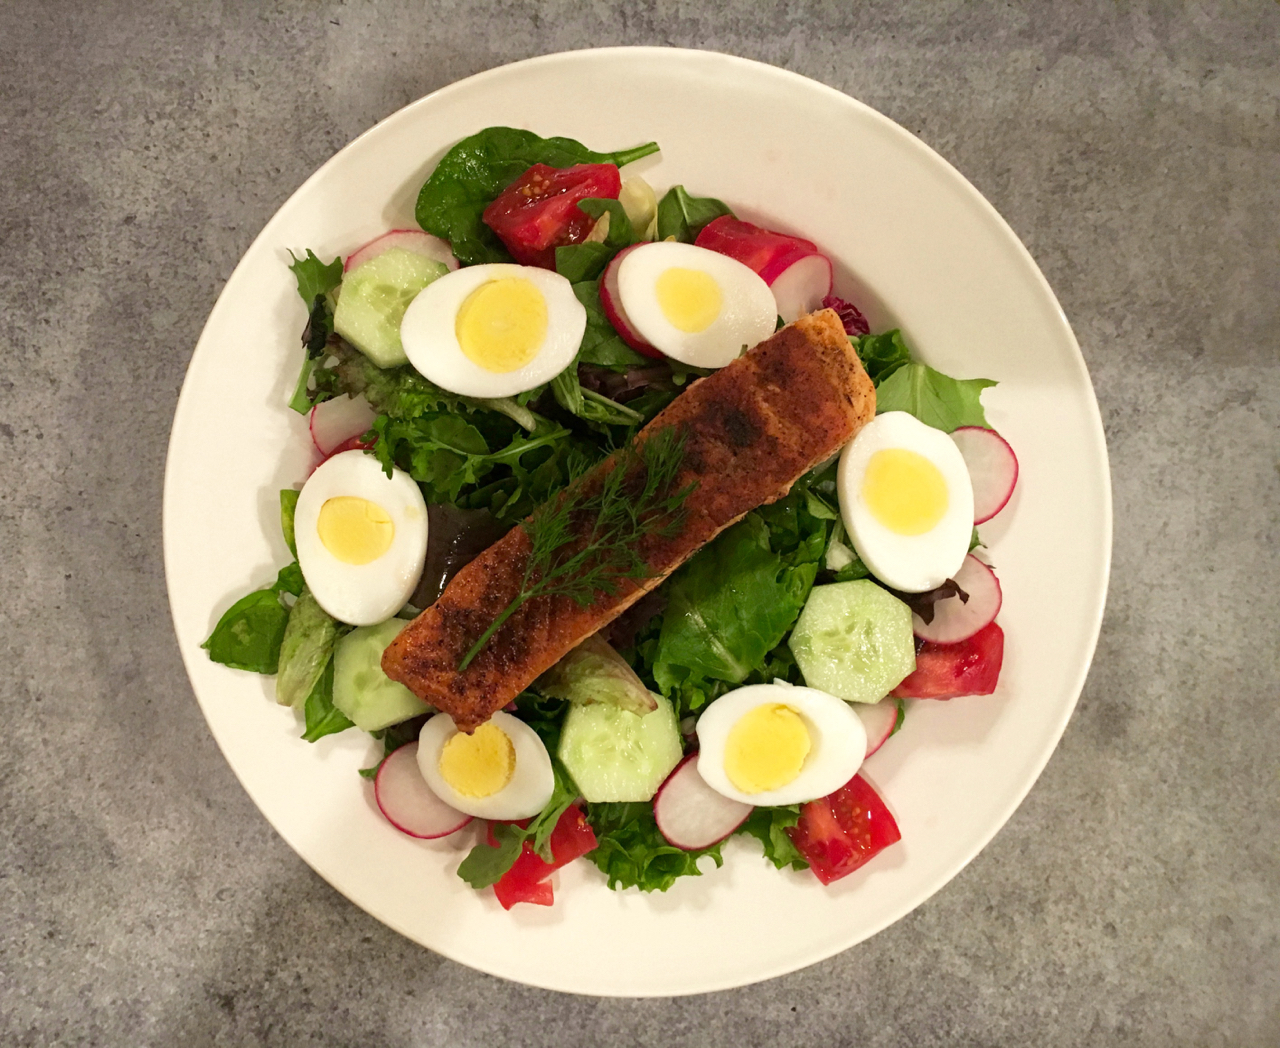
x: 878, y: 718
x: 955, y: 620
x: 797, y: 273
x: 611, y: 301
x: 407, y: 801
x: 414, y: 240
x: 993, y: 469
x: 801, y: 287
x: 338, y: 420
x: 690, y: 814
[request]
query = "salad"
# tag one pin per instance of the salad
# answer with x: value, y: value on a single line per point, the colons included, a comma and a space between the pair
x: 479, y: 384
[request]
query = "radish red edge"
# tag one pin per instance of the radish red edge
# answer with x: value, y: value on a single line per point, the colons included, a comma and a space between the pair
x: 955, y: 620
x: 690, y: 814
x: 611, y: 303
x: 993, y: 469
x: 416, y: 240
x: 406, y: 800
x: 878, y: 718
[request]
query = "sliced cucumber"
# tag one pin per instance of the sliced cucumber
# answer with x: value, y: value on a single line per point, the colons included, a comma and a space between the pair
x: 854, y: 640
x: 373, y: 299
x: 361, y: 690
x: 615, y: 755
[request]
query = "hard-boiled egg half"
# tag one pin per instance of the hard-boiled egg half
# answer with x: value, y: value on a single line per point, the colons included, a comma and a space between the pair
x: 500, y: 771
x: 695, y: 305
x: 907, y: 501
x: 361, y: 538
x: 494, y: 330
x: 769, y: 744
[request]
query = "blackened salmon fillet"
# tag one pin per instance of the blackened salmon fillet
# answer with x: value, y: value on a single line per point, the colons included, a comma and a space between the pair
x: 750, y: 430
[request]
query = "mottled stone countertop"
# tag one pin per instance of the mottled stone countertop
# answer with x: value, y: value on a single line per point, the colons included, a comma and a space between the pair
x: 1134, y: 898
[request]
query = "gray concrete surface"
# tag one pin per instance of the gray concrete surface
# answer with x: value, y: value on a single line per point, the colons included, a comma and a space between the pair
x: 1133, y: 899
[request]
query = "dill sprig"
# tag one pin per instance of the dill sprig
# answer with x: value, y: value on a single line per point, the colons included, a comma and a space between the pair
x: 584, y: 544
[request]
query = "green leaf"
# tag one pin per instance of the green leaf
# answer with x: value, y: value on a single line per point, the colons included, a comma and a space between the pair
x: 936, y: 399
x: 633, y: 854
x: 601, y: 343
x: 682, y: 216
x: 315, y: 278
x: 568, y: 390
x: 289, y: 580
x: 485, y: 864
x: 305, y: 650
x: 476, y: 170
x: 727, y: 608
x: 882, y: 355
x: 563, y: 795
x: 288, y: 507
x: 248, y: 635
x: 322, y: 717
x: 769, y: 826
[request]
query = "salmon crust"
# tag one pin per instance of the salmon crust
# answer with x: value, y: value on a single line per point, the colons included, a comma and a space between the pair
x: 750, y: 431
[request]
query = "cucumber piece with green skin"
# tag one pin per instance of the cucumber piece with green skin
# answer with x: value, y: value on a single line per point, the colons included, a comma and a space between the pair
x: 370, y: 698
x: 373, y: 298
x: 854, y: 640
x: 615, y: 755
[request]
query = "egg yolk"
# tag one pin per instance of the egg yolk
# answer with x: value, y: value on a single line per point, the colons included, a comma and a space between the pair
x: 690, y: 299
x: 502, y: 324
x: 904, y: 491
x: 480, y: 764
x: 766, y: 748
x: 355, y: 530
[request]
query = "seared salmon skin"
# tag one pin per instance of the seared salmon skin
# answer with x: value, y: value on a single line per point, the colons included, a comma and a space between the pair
x: 750, y: 430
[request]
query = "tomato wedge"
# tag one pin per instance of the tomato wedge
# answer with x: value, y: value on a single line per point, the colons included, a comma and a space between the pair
x: 539, y: 211
x: 838, y: 833
x: 527, y: 881
x: 947, y: 671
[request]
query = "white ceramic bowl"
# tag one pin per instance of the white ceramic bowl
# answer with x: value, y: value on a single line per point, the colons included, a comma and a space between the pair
x: 917, y: 246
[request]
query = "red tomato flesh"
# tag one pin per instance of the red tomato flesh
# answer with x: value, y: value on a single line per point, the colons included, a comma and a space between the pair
x: 527, y: 881
x: 539, y: 211
x: 947, y: 671
x: 841, y: 832
x: 768, y: 253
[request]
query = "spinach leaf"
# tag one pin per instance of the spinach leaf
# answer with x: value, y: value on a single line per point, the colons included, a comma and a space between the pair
x: 322, y: 717
x: 305, y: 650
x: 727, y: 608
x: 250, y: 632
x: 934, y: 398
x: 472, y: 174
x: 769, y: 826
x: 586, y: 261
x: 682, y: 216
x: 601, y: 343
x: 882, y: 355
x: 633, y: 854
x: 288, y: 507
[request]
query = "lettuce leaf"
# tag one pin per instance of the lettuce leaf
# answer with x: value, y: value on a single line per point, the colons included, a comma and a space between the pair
x: 305, y: 650
x: 594, y: 672
x: 631, y: 852
x: 769, y: 826
x: 934, y: 398
x: 472, y: 174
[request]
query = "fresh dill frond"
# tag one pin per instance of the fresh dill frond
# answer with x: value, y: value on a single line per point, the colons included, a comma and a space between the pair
x: 584, y: 543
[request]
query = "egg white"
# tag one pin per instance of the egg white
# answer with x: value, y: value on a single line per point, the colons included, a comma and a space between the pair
x: 748, y: 313
x: 910, y: 563
x: 523, y: 797
x: 429, y: 334
x: 838, y: 742
x: 362, y: 594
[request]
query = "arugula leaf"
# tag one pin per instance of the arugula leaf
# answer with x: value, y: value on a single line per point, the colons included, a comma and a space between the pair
x: 322, y: 717
x: 564, y: 793
x: 248, y: 635
x: 588, y: 404
x: 682, y: 216
x: 476, y: 170
x: 315, y: 278
x: 601, y: 343
x: 727, y: 608
x: 882, y: 355
x: 934, y: 398
x: 288, y: 507
x: 485, y: 863
x: 769, y: 826
x: 633, y: 854
x: 305, y: 650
